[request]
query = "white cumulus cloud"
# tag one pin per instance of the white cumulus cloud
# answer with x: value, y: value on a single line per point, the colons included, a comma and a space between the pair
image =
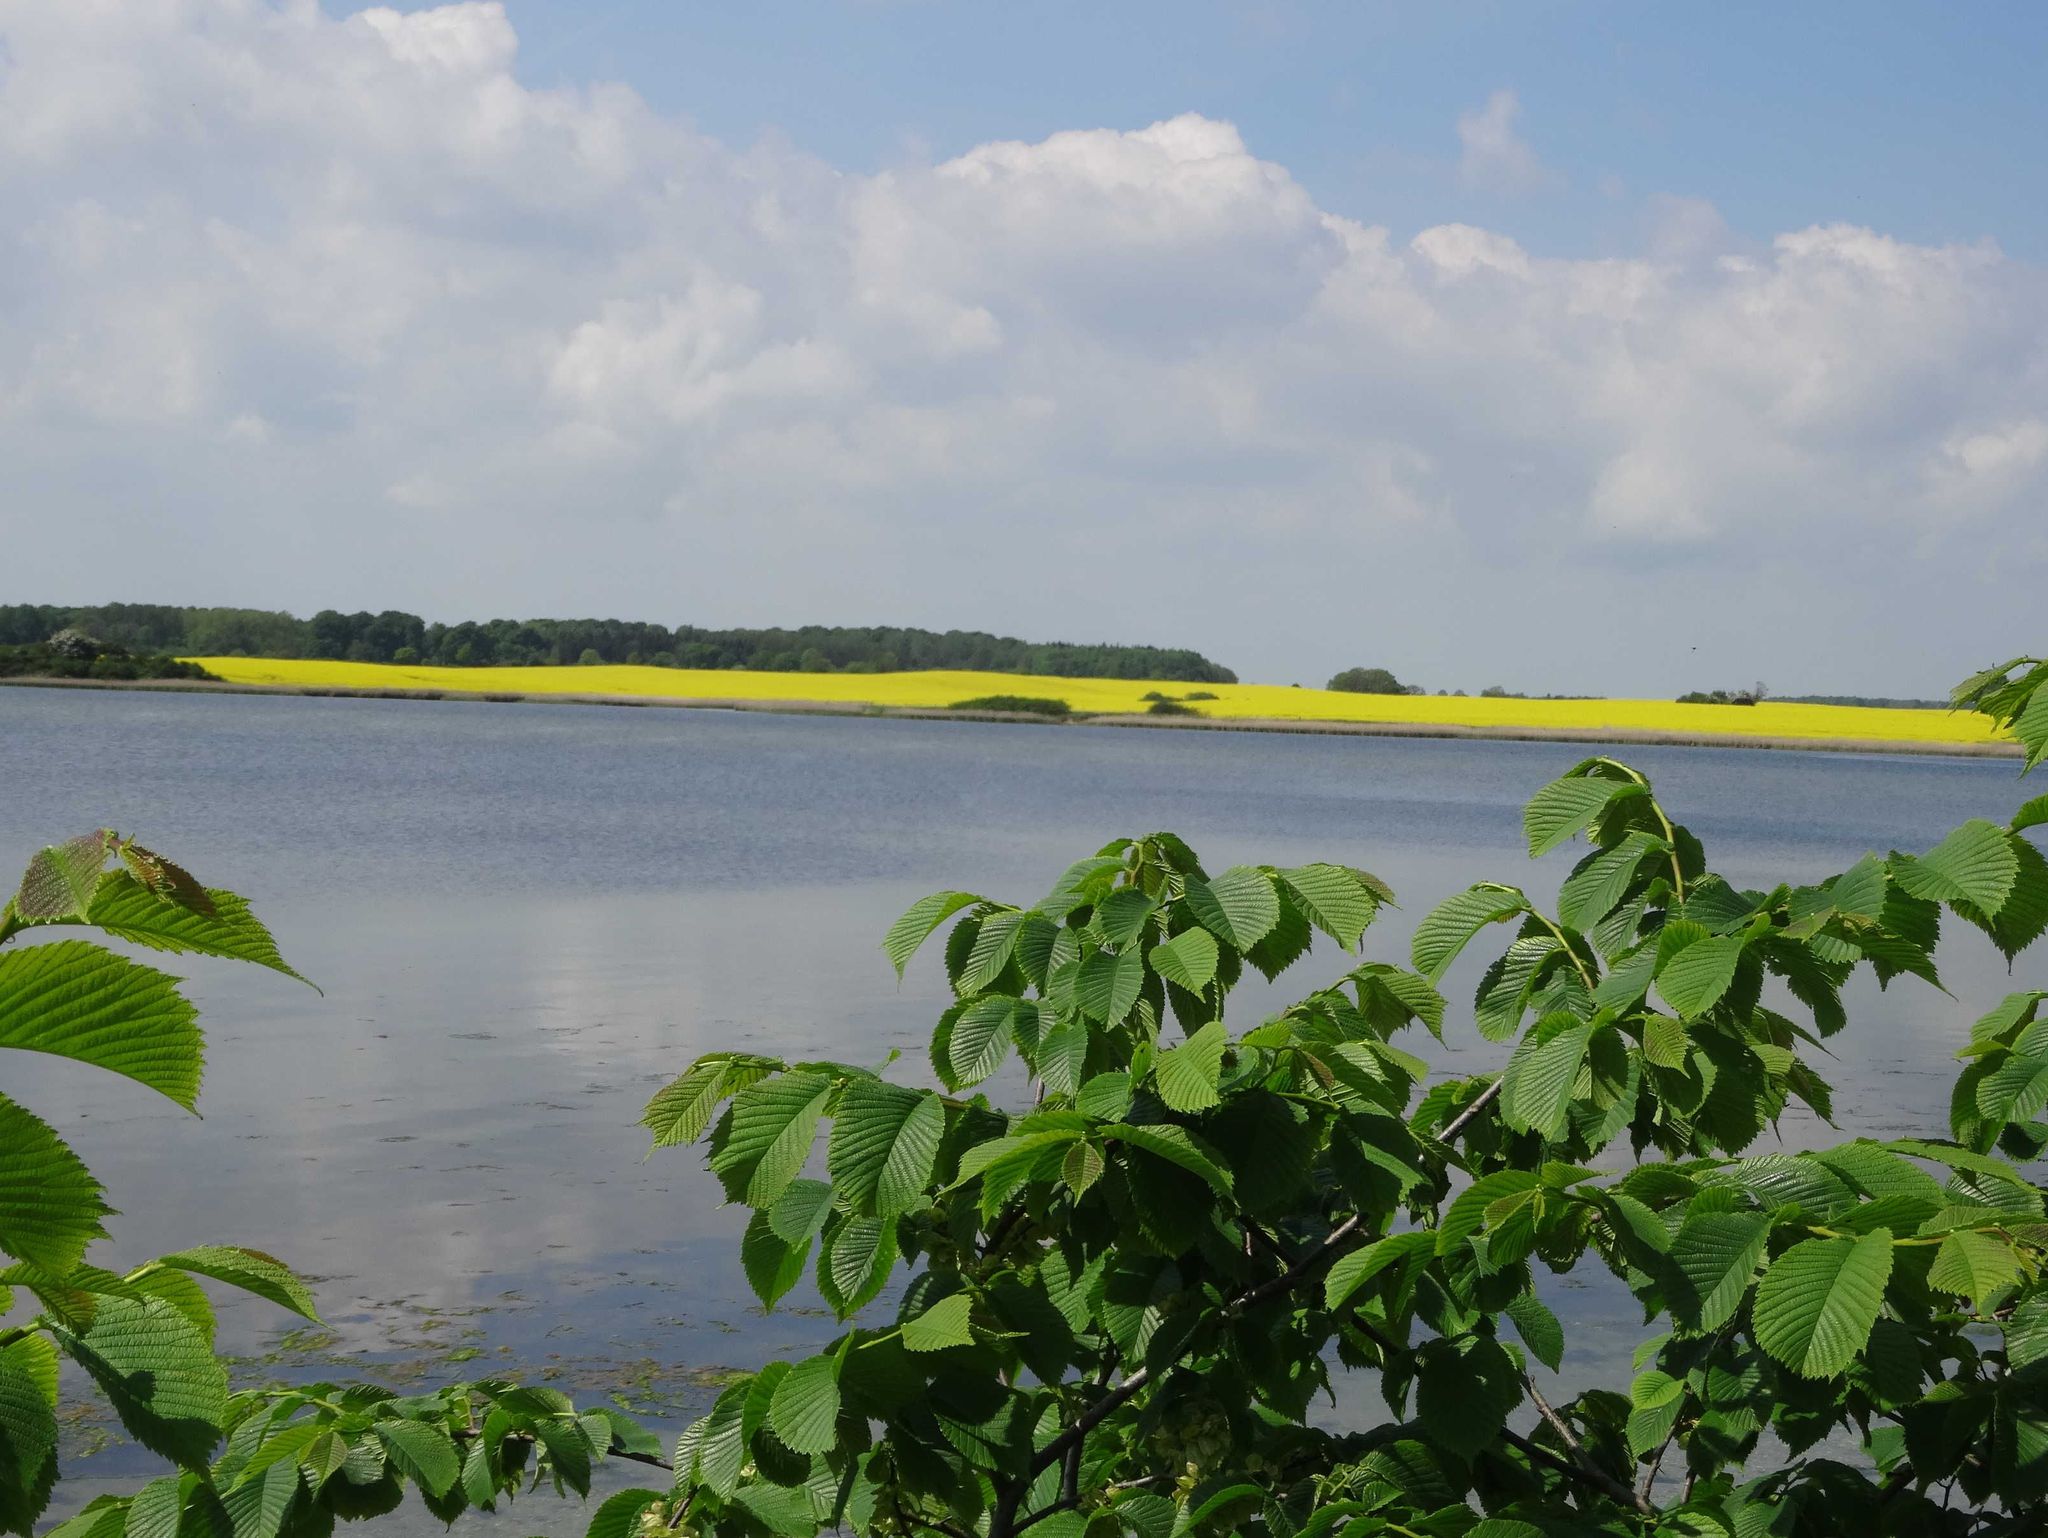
x: 301, y: 309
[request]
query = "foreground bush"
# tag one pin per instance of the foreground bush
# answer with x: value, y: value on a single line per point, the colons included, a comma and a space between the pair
x: 1126, y: 1248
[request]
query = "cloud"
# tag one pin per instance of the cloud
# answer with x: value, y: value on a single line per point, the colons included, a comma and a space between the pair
x: 1494, y: 156
x: 301, y: 310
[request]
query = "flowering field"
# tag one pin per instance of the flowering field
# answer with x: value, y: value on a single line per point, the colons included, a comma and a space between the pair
x: 1105, y: 695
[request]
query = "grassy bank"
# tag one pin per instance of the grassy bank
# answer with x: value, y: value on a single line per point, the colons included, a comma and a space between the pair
x: 1624, y: 719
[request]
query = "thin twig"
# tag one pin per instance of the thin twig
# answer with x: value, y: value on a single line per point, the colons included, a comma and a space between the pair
x: 1597, y: 1474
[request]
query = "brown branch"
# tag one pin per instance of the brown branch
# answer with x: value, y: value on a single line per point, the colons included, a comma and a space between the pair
x: 1582, y: 1458
x: 1465, y: 1117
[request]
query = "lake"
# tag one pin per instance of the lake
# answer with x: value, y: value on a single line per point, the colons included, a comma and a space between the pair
x: 526, y: 917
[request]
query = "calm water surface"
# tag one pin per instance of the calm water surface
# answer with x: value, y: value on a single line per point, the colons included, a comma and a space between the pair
x: 526, y: 917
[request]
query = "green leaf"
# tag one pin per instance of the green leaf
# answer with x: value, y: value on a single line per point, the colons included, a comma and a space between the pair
x: 1334, y: 900
x: 854, y: 1262
x: 1974, y: 864
x: 983, y: 1035
x: 1539, y: 1328
x: 73, y: 999
x: 1817, y: 1302
x: 158, y: 1372
x: 1539, y: 1080
x: 28, y: 1430
x: 1977, y: 1265
x: 251, y: 1270
x: 1450, y: 926
x: 1109, y: 984
x: 1463, y: 1394
x: 1568, y: 806
x: 1187, y: 1075
x: 1693, y: 979
x: 805, y: 1410
x: 773, y: 1265
x: 1121, y: 917
x: 1188, y: 960
x: 917, y: 923
x: 773, y: 1126
x: 1352, y: 1271
x: 2015, y: 1090
x: 61, y: 878
x: 128, y: 910
x: 943, y: 1324
x: 1177, y: 1146
x: 424, y: 1454
x: 1712, y: 1258
x: 1062, y: 1054
x: 682, y: 1108
x: 50, y: 1206
x: 1592, y: 891
x: 2032, y: 815
x: 885, y: 1143
x: 994, y: 943
x: 619, y: 1516
x: 722, y: 1444
x: 800, y: 1211
x: 1239, y: 906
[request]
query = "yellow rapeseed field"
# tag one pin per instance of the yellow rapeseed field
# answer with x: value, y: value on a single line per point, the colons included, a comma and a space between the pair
x: 1107, y: 695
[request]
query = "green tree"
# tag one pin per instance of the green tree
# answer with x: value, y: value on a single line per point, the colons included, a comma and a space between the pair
x: 1367, y: 681
x: 1095, y: 1282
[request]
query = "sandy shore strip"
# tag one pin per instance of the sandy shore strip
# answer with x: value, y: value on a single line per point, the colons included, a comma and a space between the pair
x: 1627, y: 736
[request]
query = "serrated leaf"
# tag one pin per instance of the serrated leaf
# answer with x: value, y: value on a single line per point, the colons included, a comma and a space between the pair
x: 983, y: 1035
x: 424, y: 1454
x: 1239, y: 906
x: 917, y: 923
x: 1353, y: 1270
x: 1081, y: 1168
x: 773, y: 1126
x: 50, y: 1205
x: 772, y: 1264
x: 1694, y: 979
x: 1176, y: 1145
x: 994, y: 943
x: 1974, y: 864
x: 1539, y: 1328
x: 2015, y: 1089
x: 884, y: 1146
x: 1463, y: 1395
x: 800, y: 1211
x: 682, y: 1108
x: 1818, y: 1301
x: 942, y: 1325
x: 158, y: 1372
x: 1109, y: 984
x: 74, y: 999
x: 128, y: 910
x: 61, y: 878
x: 1568, y: 806
x: 619, y: 1516
x: 1712, y: 1258
x: 1977, y: 1265
x: 1186, y: 1076
x: 1450, y: 926
x: 1538, y: 1088
x: 805, y: 1410
x: 854, y: 1262
x: 251, y: 1270
x: 1333, y: 899
x: 1188, y: 960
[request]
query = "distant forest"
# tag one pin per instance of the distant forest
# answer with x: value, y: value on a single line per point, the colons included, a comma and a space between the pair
x: 393, y: 636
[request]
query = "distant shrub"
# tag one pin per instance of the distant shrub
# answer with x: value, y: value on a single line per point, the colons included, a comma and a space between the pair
x: 1718, y: 697
x: 589, y: 659
x: 1198, y: 694
x: 1154, y: 694
x: 1018, y: 704
x: 1170, y: 708
x: 1367, y: 681
x: 405, y: 656
x: 91, y: 659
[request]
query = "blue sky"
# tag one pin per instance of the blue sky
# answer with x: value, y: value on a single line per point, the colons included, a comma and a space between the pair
x: 1571, y: 347
x: 1926, y: 121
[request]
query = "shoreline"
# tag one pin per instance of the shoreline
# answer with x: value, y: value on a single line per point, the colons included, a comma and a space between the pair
x: 791, y: 707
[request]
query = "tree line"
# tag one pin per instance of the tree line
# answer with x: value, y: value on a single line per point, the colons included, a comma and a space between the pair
x: 398, y: 637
